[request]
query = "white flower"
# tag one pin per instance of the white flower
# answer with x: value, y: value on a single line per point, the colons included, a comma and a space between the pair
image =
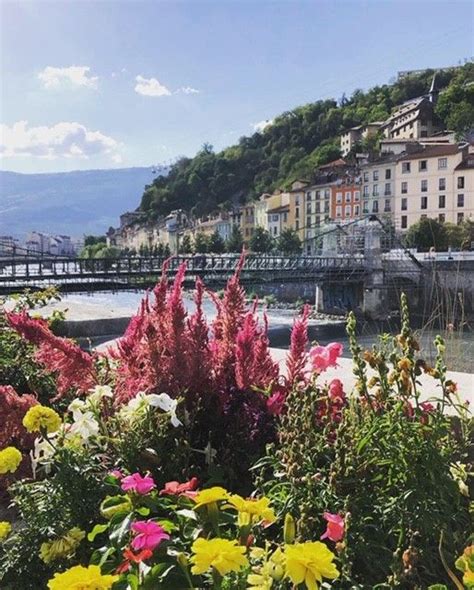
x: 41, y: 454
x: 85, y: 426
x: 98, y: 394
x: 77, y: 407
x: 167, y: 404
x: 9, y: 305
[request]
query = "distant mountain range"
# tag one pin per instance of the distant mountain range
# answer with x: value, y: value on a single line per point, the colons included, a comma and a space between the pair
x: 72, y: 203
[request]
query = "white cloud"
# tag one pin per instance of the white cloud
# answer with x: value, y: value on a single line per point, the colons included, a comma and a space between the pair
x: 63, y: 140
x: 150, y: 87
x: 73, y: 76
x: 262, y: 125
x: 187, y: 90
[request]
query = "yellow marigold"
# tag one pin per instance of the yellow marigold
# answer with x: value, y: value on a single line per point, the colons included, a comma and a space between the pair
x: 309, y: 562
x: 10, y: 458
x: 5, y: 529
x: 271, y: 570
x: 210, y: 495
x: 221, y: 554
x: 82, y: 578
x: 252, y: 510
x: 63, y: 547
x: 40, y: 417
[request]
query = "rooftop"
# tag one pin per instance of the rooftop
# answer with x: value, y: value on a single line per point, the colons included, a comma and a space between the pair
x: 281, y: 209
x: 432, y: 151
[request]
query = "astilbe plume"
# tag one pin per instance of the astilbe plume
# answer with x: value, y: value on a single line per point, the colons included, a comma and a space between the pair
x: 73, y: 368
x: 297, y: 356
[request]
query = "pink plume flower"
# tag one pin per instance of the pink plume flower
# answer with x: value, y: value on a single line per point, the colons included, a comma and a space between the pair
x: 149, y: 535
x: 276, y: 402
x: 336, y: 390
x: 323, y: 357
x: 335, y: 527
x: 138, y: 484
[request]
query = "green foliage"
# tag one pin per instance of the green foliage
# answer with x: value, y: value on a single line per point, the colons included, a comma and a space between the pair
x: 201, y: 243
x: 294, y: 144
x: 93, y: 240
x: 216, y: 244
x: 235, y: 243
x: 289, y: 242
x: 261, y: 241
x: 108, y: 252
x: 186, y: 246
x: 430, y: 233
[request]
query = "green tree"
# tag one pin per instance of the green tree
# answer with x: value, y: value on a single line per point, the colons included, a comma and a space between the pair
x: 426, y: 234
x: 235, y: 243
x: 289, y: 242
x: 108, y: 252
x: 186, y: 246
x: 216, y: 244
x: 93, y: 240
x: 201, y: 243
x: 261, y: 241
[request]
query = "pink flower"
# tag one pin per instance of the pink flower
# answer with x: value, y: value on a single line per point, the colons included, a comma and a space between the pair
x: 116, y: 473
x: 427, y: 407
x: 323, y: 357
x: 335, y: 527
x: 150, y: 534
x: 138, y: 484
x: 174, y: 488
x: 336, y: 389
x: 276, y: 402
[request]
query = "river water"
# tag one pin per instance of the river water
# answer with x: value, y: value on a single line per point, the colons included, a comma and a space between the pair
x: 459, y: 343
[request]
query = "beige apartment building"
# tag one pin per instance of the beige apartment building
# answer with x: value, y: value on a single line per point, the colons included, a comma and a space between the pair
x: 378, y: 185
x: 435, y: 182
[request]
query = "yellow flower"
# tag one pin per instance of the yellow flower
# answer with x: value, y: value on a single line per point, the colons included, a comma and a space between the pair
x: 309, y: 563
x: 82, y: 578
x: 40, y: 417
x: 210, y: 496
x: 271, y: 570
x: 221, y: 554
x: 63, y: 547
x: 10, y: 458
x: 252, y: 510
x: 5, y: 529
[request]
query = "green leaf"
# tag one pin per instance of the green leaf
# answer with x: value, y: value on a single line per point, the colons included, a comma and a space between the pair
x: 99, y: 528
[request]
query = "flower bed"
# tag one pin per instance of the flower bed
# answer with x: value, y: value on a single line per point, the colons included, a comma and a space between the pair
x: 183, y: 459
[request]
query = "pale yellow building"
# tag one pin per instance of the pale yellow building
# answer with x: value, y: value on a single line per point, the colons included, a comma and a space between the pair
x: 435, y: 182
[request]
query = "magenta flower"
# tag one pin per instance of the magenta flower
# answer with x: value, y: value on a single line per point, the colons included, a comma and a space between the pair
x: 323, y: 357
x: 116, y: 473
x: 335, y: 527
x: 138, y: 484
x: 336, y: 390
x: 149, y: 535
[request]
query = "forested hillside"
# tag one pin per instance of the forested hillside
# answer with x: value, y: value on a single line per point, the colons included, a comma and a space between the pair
x: 296, y: 142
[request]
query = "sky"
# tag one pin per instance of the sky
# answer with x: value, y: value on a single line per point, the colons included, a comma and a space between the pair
x: 120, y: 83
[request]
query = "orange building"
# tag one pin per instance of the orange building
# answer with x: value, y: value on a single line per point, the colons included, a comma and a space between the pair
x: 345, y: 201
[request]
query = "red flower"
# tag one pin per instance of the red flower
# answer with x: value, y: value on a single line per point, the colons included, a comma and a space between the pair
x: 131, y: 557
x: 174, y: 488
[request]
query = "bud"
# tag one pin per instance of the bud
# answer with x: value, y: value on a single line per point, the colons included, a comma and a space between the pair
x: 182, y: 560
x: 289, y: 529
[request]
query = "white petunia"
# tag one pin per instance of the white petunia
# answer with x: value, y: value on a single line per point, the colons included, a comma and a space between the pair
x: 98, y: 393
x: 85, y: 426
x: 167, y: 404
x: 41, y: 454
x: 77, y: 407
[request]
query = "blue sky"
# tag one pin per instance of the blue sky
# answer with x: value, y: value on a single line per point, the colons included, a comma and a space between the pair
x: 115, y: 83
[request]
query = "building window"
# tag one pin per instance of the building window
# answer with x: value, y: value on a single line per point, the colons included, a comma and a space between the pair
x: 404, y: 221
x: 375, y: 207
x: 308, y: 222
x: 326, y: 207
x: 308, y: 208
x: 317, y: 220
x: 285, y: 217
x: 308, y: 196
x: 388, y: 189
x: 338, y: 197
x: 441, y: 217
x: 366, y: 191
x: 347, y: 211
x: 442, y: 163
x: 423, y: 165
x: 318, y: 195
x: 366, y: 207
x: 275, y: 230
x: 375, y: 190
x: 404, y: 188
x: 356, y: 210
x: 366, y: 177
x: 424, y: 216
x: 375, y: 175
x: 338, y: 211
x: 297, y: 200
x: 460, y: 181
x: 274, y: 217
x: 348, y: 197
x: 297, y: 213
x: 406, y: 167
x: 424, y: 186
x: 404, y: 204
x: 442, y: 201
x: 297, y: 224
x: 327, y: 193
x: 461, y: 200
x: 460, y: 218
x: 387, y: 206
x: 356, y: 195
x: 388, y: 174
x: 318, y: 208
x: 442, y: 184
x: 424, y: 202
